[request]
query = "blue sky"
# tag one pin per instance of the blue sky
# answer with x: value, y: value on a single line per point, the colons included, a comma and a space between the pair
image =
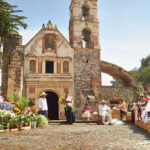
x: 124, y: 26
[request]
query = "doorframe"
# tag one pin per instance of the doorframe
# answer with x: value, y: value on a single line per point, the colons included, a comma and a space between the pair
x: 56, y: 91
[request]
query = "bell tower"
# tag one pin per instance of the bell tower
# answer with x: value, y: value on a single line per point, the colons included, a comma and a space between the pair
x: 84, y: 38
x: 84, y: 25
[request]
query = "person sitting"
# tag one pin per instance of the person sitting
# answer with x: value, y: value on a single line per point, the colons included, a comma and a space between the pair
x: 105, y: 111
x: 146, y: 97
x: 141, y: 105
x: 123, y: 108
x: 86, y: 112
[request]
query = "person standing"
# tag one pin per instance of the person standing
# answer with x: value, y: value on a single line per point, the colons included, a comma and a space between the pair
x: 1, y: 97
x: 123, y: 108
x: 69, y: 109
x: 105, y: 111
x: 42, y: 105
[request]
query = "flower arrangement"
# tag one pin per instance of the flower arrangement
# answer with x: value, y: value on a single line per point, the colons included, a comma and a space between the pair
x: 20, y: 114
x: 6, y: 106
x: 61, y: 100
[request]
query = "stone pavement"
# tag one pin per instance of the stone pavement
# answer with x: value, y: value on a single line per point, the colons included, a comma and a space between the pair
x: 80, y: 136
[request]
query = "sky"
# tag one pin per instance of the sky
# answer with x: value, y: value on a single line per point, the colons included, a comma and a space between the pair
x: 124, y: 27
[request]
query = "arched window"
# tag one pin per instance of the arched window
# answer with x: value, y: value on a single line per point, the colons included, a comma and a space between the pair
x: 32, y: 66
x: 65, y: 67
x: 86, y: 39
x: 85, y: 12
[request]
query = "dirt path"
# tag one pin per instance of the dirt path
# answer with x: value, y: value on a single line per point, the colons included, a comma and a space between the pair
x: 77, y: 137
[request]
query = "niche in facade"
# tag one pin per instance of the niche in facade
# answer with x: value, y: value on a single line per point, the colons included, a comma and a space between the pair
x: 49, y: 43
x: 49, y: 67
x: 32, y: 66
x: 65, y: 67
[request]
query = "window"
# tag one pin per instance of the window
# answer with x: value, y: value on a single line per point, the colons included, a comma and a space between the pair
x: 86, y: 39
x: 32, y: 66
x: 49, y: 67
x: 85, y: 12
x: 65, y: 67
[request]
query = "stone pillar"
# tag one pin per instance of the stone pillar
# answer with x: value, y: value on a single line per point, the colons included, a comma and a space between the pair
x: 55, y: 67
x: 43, y: 67
x: 9, y: 46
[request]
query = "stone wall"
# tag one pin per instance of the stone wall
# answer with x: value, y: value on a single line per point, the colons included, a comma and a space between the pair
x: 126, y: 93
x: 86, y: 67
x: 9, y: 46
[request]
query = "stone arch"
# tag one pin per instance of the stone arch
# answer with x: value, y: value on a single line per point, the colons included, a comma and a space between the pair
x: 52, y: 90
x: 58, y: 109
x: 119, y: 74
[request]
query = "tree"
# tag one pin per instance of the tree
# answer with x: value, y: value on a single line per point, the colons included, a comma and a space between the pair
x: 9, y: 21
x: 146, y: 75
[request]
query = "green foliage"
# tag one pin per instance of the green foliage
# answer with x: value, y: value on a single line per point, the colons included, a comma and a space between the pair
x: 1, y: 126
x: 145, y: 62
x: 140, y: 91
x: 13, y: 123
x: 9, y: 21
x: 16, y: 97
x: 146, y: 75
x: 42, y: 120
x: 33, y: 117
x: 142, y: 74
x: 24, y: 103
x: 135, y: 73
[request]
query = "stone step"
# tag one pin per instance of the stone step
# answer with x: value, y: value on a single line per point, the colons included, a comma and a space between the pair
x: 76, y: 121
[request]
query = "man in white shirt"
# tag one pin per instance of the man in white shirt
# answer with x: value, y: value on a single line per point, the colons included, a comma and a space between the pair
x: 42, y: 104
x: 105, y: 111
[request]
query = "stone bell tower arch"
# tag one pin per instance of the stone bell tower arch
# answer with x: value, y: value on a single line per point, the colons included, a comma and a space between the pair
x: 84, y: 38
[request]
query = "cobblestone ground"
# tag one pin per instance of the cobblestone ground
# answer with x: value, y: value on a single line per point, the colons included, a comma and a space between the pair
x: 79, y: 136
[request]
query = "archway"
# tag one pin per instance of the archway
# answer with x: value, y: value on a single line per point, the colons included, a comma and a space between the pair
x: 53, y: 107
x: 119, y: 74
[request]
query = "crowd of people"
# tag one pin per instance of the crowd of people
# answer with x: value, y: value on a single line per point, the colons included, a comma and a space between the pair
x: 141, y: 110
x: 104, y: 111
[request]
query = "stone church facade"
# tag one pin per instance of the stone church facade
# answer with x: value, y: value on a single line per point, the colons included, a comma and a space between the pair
x: 49, y: 63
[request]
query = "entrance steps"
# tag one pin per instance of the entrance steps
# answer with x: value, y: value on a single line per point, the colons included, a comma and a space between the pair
x: 76, y: 121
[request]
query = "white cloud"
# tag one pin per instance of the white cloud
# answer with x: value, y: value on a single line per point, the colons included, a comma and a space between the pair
x: 126, y: 54
x: 28, y: 35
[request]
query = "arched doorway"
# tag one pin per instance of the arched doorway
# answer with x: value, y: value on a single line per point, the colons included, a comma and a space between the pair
x: 53, y: 107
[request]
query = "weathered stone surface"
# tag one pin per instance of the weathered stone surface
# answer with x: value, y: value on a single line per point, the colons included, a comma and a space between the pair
x: 9, y: 46
x: 77, y: 137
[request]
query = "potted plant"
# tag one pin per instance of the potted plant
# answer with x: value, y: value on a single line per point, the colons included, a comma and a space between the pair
x: 33, y: 119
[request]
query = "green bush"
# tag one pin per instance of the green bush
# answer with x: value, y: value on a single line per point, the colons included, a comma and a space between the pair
x: 42, y: 121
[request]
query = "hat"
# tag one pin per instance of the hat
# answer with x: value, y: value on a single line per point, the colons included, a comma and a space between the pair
x: 43, y: 93
x: 145, y: 92
x: 141, y: 95
x: 103, y: 101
